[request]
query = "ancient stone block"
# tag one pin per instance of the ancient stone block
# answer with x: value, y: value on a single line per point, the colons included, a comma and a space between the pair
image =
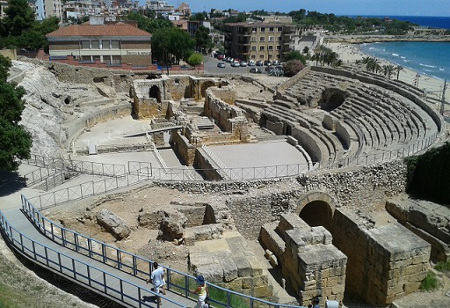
x: 113, y: 223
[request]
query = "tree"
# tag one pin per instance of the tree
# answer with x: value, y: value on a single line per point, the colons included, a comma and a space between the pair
x: 15, y: 141
x: 388, y: 70
x: 292, y: 67
x: 294, y: 55
x: 171, y: 42
x: 19, y: 17
x: 195, y: 59
x: 398, y: 68
x: 202, y: 39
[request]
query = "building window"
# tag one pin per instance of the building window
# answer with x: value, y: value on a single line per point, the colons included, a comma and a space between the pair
x: 261, y: 48
x: 270, y: 47
x: 85, y: 45
x: 280, y: 29
x: 262, y: 39
x: 278, y: 47
x: 106, y: 44
x: 253, y: 48
x: 271, y: 38
x: 271, y: 29
x: 116, y: 60
x: 253, y: 57
x: 115, y: 44
x: 95, y: 44
x: 96, y: 58
x: 261, y: 57
x: 253, y: 30
x: 262, y: 29
x: 253, y: 39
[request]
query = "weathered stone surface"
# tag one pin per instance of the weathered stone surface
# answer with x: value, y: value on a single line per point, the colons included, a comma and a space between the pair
x: 172, y: 225
x: 113, y: 224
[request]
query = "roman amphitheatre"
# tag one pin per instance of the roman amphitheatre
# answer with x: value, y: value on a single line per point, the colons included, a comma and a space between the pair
x: 283, y: 189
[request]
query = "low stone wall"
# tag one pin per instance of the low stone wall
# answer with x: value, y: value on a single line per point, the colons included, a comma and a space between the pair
x: 75, y: 128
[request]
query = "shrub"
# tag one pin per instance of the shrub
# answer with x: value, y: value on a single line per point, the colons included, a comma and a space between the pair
x: 430, y: 282
x: 292, y: 67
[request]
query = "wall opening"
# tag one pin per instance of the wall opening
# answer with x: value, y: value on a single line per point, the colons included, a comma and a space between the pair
x: 317, y: 213
x: 154, y: 92
x: 288, y: 130
x: 205, y: 86
x: 331, y: 99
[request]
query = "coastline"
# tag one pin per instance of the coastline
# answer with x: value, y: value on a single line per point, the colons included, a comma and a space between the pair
x: 349, y: 53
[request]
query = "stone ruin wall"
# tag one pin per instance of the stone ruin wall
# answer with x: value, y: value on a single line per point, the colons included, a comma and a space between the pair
x: 365, y: 187
x: 384, y: 262
x: 183, y: 148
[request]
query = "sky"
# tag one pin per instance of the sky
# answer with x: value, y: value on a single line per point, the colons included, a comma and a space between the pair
x: 338, y: 7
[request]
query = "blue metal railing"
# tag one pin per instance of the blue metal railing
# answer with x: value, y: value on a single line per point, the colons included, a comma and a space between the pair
x: 107, y: 284
x: 134, y: 265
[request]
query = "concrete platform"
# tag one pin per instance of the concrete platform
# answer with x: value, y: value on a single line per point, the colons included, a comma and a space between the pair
x: 270, y: 153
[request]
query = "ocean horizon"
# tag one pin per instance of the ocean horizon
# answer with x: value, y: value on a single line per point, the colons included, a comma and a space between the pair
x: 426, y: 58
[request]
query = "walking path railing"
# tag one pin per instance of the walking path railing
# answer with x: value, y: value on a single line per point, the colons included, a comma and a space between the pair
x: 83, y: 273
x: 135, y: 265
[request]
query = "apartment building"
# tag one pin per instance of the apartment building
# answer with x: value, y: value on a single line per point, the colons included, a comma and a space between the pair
x: 112, y: 43
x: 258, y: 41
x: 47, y: 8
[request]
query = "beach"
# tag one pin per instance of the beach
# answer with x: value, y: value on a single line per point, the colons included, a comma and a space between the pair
x: 350, y: 53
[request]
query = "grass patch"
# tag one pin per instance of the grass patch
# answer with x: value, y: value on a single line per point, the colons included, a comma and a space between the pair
x: 443, y: 266
x: 215, y: 295
x: 430, y: 283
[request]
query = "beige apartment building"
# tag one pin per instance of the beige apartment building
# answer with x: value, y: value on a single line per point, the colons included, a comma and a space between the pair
x: 258, y: 41
x: 113, y: 43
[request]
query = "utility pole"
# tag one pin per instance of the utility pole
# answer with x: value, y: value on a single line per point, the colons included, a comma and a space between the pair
x: 443, y: 98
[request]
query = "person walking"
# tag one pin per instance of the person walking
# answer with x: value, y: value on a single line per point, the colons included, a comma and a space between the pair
x: 202, y: 291
x: 157, y: 278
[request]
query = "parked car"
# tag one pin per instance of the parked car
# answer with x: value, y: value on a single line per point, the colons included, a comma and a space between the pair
x: 255, y: 70
x: 259, y: 63
x: 243, y: 64
x: 221, y: 65
x: 267, y: 63
x: 251, y: 63
x: 235, y: 64
x: 221, y: 57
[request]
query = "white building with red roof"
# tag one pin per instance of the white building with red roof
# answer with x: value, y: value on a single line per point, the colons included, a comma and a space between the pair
x: 113, y: 43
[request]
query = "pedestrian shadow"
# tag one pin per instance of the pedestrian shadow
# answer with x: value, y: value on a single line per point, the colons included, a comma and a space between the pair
x: 10, y: 182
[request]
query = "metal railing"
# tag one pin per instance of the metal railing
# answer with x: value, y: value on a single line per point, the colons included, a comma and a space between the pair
x: 93, y: 188
x: 96, y: 168
x: 132, y: 264
x: 87, y: 275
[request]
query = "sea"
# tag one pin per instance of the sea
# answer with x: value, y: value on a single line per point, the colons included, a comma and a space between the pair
x: 427, y: 58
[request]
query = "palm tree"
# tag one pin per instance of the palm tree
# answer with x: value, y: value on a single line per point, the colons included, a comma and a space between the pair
x: 398, y: 68
x: 388, y: 70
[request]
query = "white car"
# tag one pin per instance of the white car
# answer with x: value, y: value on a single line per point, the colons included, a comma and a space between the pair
x: 243, y: 64
x: 235, y: 64
x: 251, y: 63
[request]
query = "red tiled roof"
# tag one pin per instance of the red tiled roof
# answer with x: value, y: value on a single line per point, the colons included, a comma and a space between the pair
x: 118, y: 29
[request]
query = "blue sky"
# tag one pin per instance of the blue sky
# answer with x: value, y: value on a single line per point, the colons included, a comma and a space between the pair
x: 338, y: 7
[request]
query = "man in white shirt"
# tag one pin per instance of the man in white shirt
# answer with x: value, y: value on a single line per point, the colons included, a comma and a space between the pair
x: 157, y: 278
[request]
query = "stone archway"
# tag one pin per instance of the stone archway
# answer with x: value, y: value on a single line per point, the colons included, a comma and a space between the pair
x: 205, y: 85
x: 317, y: 208
x: 155, y: 92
